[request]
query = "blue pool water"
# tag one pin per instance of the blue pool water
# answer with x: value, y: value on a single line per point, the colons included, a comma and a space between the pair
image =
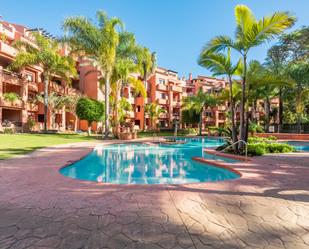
x: 137, y: 163
x: 299, y: 146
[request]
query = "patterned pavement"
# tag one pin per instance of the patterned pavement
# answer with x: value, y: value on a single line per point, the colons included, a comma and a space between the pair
x: 268, y: 207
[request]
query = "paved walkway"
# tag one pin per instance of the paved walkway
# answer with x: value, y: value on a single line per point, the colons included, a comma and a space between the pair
x: 39, y: 208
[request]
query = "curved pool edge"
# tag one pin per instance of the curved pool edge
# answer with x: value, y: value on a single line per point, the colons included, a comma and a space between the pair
x: 214, y: 163
x: 145, y: 141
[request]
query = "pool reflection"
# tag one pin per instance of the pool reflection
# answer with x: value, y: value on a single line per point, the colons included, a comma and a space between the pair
x: 146, y: 164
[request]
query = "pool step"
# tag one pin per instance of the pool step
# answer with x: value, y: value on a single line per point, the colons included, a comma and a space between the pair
x: 230, y: 156
x: 216, y: 163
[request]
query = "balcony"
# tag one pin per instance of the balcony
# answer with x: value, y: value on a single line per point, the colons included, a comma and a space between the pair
x: 28, y: 40
x: 130, y: 114
x: 15, y: 104
x: 31, y: 107
x: 176, y: 104
x: 32, y: 86
x: 222, y: 108
x: 7, y: 49
x: 177, y: 89
x: 162, y: 101
x: 11, y: 78
x: 163, y: 115
x: 57, y: 88
x: 131, y: 100
x: 147, y: 100
x: 161, y: 87
x: 209, y: 119
x: 74, y: 92
x: 7, y: 31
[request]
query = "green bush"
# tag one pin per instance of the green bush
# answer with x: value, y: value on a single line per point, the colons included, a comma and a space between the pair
x: 8, y: 130
x: 255, y: 128
x: 260, y: 148
x: 257, y: 149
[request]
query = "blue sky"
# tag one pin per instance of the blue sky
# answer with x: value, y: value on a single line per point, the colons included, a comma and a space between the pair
x: 175, y: 29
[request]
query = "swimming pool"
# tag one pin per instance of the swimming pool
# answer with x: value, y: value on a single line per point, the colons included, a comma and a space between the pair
x: 137, y: 163
x: 299, y: 146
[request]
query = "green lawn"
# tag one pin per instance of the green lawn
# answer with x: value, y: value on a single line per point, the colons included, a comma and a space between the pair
x: 18, y: 144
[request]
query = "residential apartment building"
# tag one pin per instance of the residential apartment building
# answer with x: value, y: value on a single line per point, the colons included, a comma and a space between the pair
x: 27, y: 83
x: 163, y: 87
x: 215, y: 116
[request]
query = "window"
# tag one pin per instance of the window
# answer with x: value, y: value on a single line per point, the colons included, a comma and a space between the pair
x: 138, y: 108
x: 41, y: 118
x: 29, y: 77
x: 163, y: 95
x: 161, y: 81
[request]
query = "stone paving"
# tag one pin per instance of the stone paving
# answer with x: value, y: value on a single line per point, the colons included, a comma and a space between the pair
x: 266, y: 208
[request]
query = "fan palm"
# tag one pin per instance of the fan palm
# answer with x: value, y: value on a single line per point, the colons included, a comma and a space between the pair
x: 45, y: 54
x: 98, y: 44
x: 221, y: 65
x: 250, y: 33
x: 197, y: 103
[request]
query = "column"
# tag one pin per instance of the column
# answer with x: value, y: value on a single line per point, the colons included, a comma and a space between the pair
x: 63, y: 119
x: 24, y: 97
x: 216, y: 118
x: 1, y: 91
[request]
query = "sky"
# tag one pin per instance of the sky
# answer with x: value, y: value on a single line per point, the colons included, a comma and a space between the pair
x: 175, y: 29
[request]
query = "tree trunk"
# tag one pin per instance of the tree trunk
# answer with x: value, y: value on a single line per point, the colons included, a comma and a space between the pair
x: 201, y: 123
x: 53, y: 116
x: 75, y: 123
x: 280, y: 111
x: 234, y: 131
x: 46, y: 84
x: 267, y: 114
x: 107, y: 90
x: 243, y: 117
x: 89, y: 128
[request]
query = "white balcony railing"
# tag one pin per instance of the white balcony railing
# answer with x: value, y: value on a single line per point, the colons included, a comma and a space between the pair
x: 7, y: 49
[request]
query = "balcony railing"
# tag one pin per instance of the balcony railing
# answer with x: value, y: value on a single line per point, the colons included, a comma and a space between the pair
x: 11, y: 104
x: 28, y: 40
x: 32, y: 107
x: 176, y: 103
x: 162, y: 101
x: 177, y: 89
x: 163, y: 115
x: 130, y: 114
x: 7, y: 49
x: 57, y: 88
x: 222, y: 108
x: 7, y: 31
x: 11, y: 78
x: 161, y: 87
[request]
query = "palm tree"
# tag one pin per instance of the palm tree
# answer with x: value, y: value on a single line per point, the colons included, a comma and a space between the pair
x: 197, y: 103
x: 221, y: 65
x: 98, y: 44
x: 45, y: 54
x: 56, y: 103
x: 250, y: 33
x: 70, y: 103
x: 127, y: 59
x: 154, y: 111
x: 264, y: 85
x: 147, y: 66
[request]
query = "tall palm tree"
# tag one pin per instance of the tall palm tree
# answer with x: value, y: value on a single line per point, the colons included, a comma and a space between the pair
x: 250, y: 33
x: 154, y: 110
x: 264, y: 85
x: 221, y: 65
x: 98, y: 44
x: 45, y: 54
x: 127, y: 59
x: 147, y: 66
x: 197, y: 103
